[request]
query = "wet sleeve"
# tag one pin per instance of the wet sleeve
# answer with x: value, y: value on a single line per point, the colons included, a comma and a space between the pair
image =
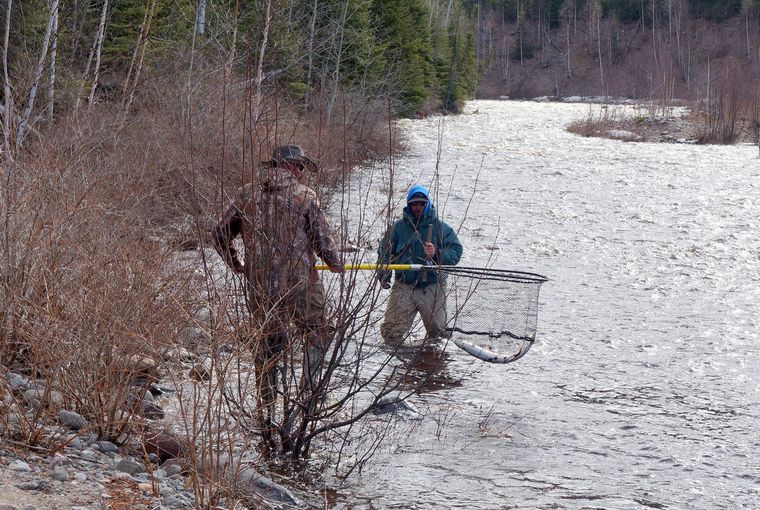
x: 322, y: 237
x: 224, y: 233
x: 451, y: 250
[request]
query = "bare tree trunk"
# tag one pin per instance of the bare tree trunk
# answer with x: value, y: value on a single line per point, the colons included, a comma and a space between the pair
x: 567, y: 43
x: 256, y: 106
x: 477, y: 40
x: 746, y: 25
x: 201, y: 19
x: 598, y: 9
x: 233, y: 42
x: 23, y: 124
x: 310, y: 65
x: 53, y: 52
x: 7, y: 85
x: 98, y: 47
x: 138, y: 56
x: 338, y: 58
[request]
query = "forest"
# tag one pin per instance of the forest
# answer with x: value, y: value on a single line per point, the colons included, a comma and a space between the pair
x: 642, y: 49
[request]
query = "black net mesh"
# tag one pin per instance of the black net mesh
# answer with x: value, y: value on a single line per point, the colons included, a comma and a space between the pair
x: 493, y: 312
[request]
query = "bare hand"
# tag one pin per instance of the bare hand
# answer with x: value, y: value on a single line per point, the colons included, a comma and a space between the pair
x: 337, y: 269
x: 429, y: 250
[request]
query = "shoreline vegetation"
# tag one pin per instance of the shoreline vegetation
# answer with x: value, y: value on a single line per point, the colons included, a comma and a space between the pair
x: 679, y: 122
x: 125, y: 345
x: 127, y: 126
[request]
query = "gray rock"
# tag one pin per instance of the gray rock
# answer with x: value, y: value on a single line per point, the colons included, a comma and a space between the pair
x: 80, y: 477
x: 72, y: 420
x: 7, y: 507
x: 20, y: 466
x: 151, y: 410
x: 18, y: 382
x: 30, y: 486
x: 56, y: 461
x: 52, y: 397
x: 130, y: 466
x: 88, y: 454
x: 107, y: 447
x: 55, y: 398
x: 250, y: 485
x: 172, y: 502
x: 76, y: 444
x: 61, y: 474
x: 173, y: 469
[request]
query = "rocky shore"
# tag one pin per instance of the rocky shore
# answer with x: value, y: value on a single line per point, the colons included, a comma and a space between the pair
x: 78, y: 470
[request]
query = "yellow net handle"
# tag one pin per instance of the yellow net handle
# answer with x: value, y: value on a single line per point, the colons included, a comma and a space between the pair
x: 376, y: 267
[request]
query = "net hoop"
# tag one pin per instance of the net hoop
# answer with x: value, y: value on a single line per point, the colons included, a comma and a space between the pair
x: 494, y: 274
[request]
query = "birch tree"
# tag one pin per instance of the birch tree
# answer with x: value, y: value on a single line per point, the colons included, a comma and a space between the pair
x: 53, y: 52
x: 259, y: 73
x: 24, y: 122
x: 98, y: 46
x: 138, y: 56
x: 8, y: 108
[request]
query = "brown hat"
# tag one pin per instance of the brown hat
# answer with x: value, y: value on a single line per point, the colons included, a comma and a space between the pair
x: 292, y: 154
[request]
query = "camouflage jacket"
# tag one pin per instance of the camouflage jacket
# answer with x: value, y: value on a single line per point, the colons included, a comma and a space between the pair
x: 282, y: 227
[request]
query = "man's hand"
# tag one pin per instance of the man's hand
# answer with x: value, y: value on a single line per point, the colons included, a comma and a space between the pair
x: 337, y: 269
x: 384, y: 277
x: 429, y: 250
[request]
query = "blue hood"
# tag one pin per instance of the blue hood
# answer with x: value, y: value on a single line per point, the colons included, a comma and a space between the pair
x: 418, y: 188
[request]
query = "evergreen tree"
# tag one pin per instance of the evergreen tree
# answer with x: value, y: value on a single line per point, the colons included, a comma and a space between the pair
x: 403, y: 34
x: 716, y: 10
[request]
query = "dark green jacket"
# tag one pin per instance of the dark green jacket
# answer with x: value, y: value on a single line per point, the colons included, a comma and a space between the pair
x: 403, y: 245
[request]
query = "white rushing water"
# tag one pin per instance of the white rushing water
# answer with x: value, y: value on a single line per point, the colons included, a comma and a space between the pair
x: 643, y: 388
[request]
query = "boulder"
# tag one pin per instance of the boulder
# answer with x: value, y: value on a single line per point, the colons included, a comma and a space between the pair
x: 165, y: 444
x: 251, y: 487
x: 72, y: 420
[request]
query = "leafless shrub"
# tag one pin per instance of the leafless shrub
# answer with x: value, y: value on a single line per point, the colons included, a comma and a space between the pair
x: 596, y: 121
x: 730, y: 108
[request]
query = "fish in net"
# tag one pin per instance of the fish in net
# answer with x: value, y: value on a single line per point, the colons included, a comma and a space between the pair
x: 494, y: 311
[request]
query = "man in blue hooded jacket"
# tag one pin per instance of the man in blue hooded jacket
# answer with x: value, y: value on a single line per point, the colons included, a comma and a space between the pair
x: 419, y: 237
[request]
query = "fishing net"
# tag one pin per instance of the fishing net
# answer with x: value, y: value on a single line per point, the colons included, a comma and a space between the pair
x: 493, y: 312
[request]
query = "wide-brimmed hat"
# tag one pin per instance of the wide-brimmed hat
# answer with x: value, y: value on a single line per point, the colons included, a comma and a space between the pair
x: 292, y: 154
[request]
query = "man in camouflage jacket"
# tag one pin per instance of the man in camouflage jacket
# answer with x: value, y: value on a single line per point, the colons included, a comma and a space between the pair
x: 283, y: 231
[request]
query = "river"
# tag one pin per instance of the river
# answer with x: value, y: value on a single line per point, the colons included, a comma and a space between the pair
x: 642, y: 389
